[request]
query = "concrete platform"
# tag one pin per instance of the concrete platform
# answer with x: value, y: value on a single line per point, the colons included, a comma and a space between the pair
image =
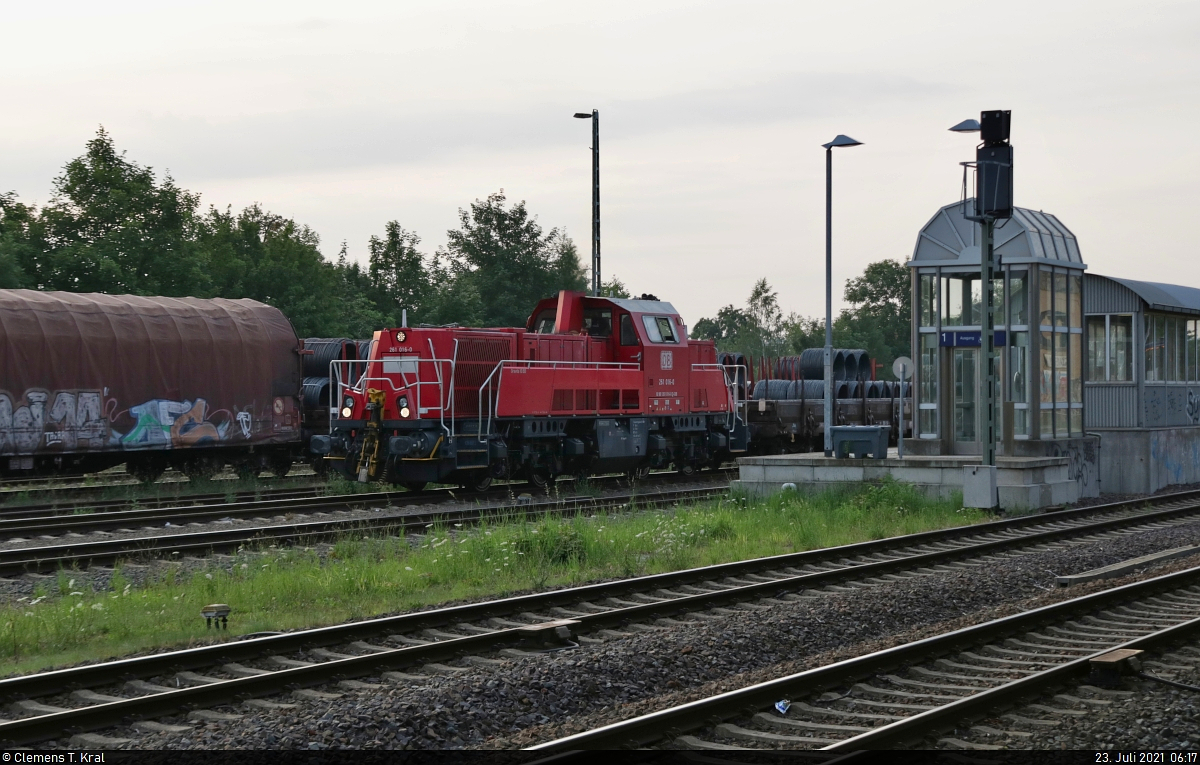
x: 1024, y: 483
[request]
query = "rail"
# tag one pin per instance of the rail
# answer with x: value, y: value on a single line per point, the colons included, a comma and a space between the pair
x: 866, y: 562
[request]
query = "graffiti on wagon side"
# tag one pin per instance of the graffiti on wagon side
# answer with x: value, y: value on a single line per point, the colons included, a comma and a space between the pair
x: 72, y: 420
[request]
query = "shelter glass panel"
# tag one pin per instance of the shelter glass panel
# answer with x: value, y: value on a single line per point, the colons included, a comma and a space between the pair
x: 1047, y: 367
x: 929, y: 384
x: 1075, y: 301
x: 1060, y: 300
x: 1047, y: 423
x: 927, y: 299
x: 1160, y: 347
x: 961, y: 301
x: 1061, y: 429
x: 997, y: 302
x: 1018, y: 364
x: 1120, y: 348
x: 1061, y: 378
x: 965, y: 381
x: 1018, y: 299
x: 1046, y: 298
x: 1097, y: 348
x: 1076, y: 421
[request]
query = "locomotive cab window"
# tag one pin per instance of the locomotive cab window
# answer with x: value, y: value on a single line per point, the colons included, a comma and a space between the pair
x: 544, y: 323
x: 659, y: 329
x: 597, y: 322
x: 628, y: 334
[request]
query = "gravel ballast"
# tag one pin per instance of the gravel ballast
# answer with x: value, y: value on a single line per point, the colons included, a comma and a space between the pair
x: 535, y: 699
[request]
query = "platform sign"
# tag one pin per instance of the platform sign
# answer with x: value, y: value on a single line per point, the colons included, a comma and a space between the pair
x: 970, y: 339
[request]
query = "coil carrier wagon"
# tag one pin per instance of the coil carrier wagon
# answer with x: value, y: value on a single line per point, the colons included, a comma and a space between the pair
x: 589, y: 385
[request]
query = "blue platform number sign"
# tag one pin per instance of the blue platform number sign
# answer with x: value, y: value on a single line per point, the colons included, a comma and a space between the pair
x: 970, y: 339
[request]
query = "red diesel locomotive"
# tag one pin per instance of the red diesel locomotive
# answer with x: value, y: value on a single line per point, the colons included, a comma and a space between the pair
x: 589, y: 385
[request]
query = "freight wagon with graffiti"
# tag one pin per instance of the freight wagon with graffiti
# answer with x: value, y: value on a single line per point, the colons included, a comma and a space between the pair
x: 90, y: 381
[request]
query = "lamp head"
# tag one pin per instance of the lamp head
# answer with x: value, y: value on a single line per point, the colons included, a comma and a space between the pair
x: 966, y: 126
x: 583, y: 115
x: 841, y: 140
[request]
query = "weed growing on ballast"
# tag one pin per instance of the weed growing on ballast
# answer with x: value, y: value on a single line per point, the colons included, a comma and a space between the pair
x: 365, y: 574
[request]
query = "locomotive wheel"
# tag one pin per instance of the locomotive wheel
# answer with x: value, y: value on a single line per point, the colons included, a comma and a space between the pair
x: 540, y: 477
x: 481, y: 482
x: 414, y: 486
x: 687, y: 469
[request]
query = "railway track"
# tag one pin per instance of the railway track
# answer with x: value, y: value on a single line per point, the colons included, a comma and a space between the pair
x: 260, y: 500
x: 74, y: 506
x: 51, y: 558
x: 392, y: 649
x: 910, y: 692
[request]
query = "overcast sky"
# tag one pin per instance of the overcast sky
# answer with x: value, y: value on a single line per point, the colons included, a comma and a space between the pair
x: 347, y: 115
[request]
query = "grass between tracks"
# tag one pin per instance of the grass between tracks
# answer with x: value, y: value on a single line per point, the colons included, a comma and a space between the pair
x: 363, y: 576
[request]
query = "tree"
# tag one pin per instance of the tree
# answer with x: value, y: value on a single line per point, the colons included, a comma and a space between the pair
x: 613, y: 288
x: 398, y: 273
x: 19, y: 240
x: 111, y: 226
x: 880, y: 312
x: 502, y: 257
x: 277, y: 261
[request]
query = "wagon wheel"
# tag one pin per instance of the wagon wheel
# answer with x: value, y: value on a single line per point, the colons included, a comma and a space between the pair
x: 146, y: 469
x: 415, y: 486
x: 280, y: 464
x: 248, y: 470
x: 687, y: 468
x: 200, y: 468
x: 639, y: 473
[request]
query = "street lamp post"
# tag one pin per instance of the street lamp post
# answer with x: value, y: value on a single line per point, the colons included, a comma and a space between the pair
x: 840, y: 141
x: 595, y: 118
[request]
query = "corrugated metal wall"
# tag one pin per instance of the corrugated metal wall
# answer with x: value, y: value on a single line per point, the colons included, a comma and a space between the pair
x: 1110, y: 406
x: 1103, y: 295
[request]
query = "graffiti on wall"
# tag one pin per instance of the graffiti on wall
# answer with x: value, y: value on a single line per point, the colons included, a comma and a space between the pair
x: 74, y: 420
x: 1193, y: 407
x: 1082, y: 460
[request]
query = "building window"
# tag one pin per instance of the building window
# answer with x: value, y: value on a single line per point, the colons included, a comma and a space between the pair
x: 1097, y: 344
x: 1192, y: 372
x: 1120, y: 348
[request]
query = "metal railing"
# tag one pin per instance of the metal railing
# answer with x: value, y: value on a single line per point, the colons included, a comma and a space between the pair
x: 410, y: 380
x: 493, y: 404
x: 736, y: 405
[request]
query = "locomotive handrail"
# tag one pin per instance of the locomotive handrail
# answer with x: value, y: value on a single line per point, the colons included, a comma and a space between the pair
x: 417, y: 383
x: 529, y: 364
x: 735, y: 405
